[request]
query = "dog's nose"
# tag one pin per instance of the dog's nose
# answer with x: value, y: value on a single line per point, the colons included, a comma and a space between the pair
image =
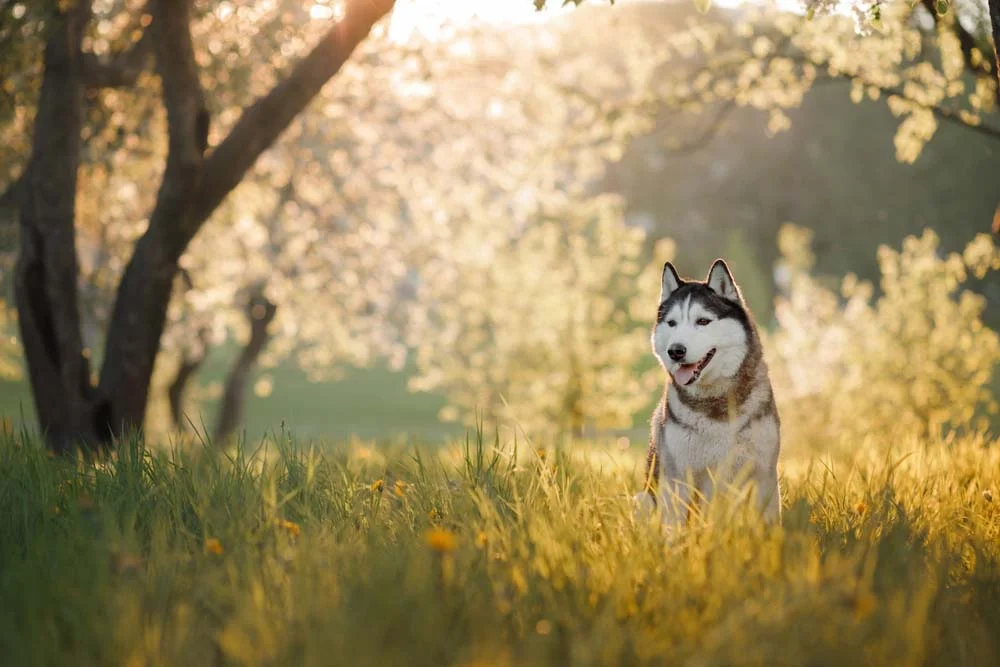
x: 676, y: 351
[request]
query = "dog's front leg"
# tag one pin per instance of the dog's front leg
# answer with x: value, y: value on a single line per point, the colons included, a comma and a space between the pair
x: 769, y: 494
x: 674, y: 492
x: 675, y: 501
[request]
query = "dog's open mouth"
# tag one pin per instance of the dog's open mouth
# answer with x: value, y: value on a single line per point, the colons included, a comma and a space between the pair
x: 687, y: 374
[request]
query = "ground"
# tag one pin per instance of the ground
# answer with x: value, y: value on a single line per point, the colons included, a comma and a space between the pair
x: 363, y: 554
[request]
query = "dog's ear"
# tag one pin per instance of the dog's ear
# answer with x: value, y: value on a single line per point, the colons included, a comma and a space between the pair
x: 720, y: 279
x: 670, y: 282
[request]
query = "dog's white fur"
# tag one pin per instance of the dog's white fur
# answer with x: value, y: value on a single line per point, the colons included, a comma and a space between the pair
x: 695, y: 449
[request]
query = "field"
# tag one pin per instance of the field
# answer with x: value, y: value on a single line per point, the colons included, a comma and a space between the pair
x: 483, y: 553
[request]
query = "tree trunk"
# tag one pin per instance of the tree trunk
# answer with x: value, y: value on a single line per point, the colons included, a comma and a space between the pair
x: 45, y: 280
x: 260, y: 313
x: 994, y: 7
x: 70, y: 410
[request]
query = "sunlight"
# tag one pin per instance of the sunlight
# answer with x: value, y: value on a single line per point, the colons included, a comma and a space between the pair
x: 437, y: 19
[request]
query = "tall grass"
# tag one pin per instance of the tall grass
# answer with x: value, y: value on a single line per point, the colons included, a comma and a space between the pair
x: 359, y: 555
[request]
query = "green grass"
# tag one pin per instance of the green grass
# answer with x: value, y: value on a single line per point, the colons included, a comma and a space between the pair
x: 891, y: 558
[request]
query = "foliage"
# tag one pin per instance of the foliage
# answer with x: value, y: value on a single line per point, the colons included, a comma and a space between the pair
x: 371, y: 556
x: 916, y: 356
x: 547, y: 327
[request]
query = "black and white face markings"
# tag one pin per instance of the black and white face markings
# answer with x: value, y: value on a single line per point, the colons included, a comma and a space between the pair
x: 702, y: 328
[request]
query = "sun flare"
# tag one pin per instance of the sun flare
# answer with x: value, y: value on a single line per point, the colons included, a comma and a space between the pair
x: 437, y: 19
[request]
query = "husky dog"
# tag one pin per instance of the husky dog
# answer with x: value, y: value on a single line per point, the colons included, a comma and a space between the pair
x: 717, y: 422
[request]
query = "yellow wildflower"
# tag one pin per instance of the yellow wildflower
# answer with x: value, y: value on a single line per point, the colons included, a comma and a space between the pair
x: 290, y: 526
x: 400, y: 488
x: 377, y: 486
x: 441, y: 540
x: 213, y: 546
x: 861, y: 508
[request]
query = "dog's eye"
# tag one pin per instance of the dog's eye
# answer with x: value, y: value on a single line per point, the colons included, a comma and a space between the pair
x: 702, y: 321
x: 671, y: 323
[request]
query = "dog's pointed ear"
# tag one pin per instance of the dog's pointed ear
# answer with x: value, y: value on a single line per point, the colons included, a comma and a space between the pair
x: 670, y: 282
x: 720, y: 279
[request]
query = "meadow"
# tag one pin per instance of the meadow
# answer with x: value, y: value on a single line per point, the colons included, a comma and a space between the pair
x: 491, y: 552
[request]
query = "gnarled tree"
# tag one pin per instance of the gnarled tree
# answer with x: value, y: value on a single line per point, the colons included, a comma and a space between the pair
x: 72, y: 409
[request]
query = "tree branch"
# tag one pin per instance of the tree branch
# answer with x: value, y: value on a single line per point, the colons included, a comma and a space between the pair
x: 942, y: 113
x: 707, y: 134
x: 264, y: 121
x: 122, y: 70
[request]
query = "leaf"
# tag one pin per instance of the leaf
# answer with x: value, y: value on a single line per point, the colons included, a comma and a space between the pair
x: 942, y: 7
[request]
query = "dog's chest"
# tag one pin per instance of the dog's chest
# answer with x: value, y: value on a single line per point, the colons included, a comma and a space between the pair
x: 699, y: 444
x: 696, y: 441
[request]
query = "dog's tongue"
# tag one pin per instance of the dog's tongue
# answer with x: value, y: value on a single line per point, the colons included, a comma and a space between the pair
x: 684, y: 373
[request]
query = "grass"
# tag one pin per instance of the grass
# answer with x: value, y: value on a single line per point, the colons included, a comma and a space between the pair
x: 361, y: 555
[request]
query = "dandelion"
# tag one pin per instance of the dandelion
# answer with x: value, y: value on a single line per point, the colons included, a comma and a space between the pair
x: 377, y: 485
x: 213, y: 546
x: 441, y: 540
x: 400, y: 488
x: 292, y: 527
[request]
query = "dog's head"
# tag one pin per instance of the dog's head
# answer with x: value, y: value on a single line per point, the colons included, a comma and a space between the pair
x: 703, y: 329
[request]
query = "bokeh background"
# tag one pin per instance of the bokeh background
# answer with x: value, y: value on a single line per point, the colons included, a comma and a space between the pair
x: 470, y: 220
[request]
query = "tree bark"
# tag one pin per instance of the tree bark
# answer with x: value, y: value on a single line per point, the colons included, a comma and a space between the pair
x: 45, y: 281
x: 260, y: 313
